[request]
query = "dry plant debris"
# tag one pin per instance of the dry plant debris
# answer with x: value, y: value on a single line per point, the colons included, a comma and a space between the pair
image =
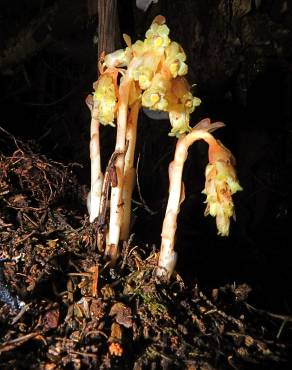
x: 63, y: 306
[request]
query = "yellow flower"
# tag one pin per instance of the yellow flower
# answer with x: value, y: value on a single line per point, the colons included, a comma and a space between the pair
x: 138, y: 48
x: 105, y: 97
x: 143, y: 68
x: 155, y: 96
x: 143, y: 75
x: 175, y: 58
x: 179, y: 119
x: 147, y: 54
x: 190, y: 102
x: 157, y: 35
x: 221, y: 183
x: 181, y: 103
x: 180, y: 94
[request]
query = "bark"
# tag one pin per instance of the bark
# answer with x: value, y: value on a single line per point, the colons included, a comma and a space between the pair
x: 108, y: 26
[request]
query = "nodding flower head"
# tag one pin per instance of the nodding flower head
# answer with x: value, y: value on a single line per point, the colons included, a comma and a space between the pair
x: 221, y: 183
x: 180, y: 94
x: 156, y: 65
x: 179, y: 120
x: 106, y: 96
x: 181, y: 104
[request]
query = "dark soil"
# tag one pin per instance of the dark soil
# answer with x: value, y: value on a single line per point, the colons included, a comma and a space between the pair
x: 63, y: 306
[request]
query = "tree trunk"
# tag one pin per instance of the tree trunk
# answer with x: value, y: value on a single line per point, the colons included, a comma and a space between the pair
x: 108, y: 26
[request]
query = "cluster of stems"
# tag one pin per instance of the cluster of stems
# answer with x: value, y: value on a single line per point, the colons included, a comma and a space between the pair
x: 150, y: 74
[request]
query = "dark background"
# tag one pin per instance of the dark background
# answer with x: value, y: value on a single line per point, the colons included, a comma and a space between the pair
x: 239, y: 57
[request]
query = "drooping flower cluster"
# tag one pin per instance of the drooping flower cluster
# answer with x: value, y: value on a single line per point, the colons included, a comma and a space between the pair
x: 105, y: 96
x: 157, y: 65
x: 221, y: 183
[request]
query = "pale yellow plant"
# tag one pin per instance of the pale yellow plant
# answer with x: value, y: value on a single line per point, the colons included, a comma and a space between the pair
x: 103, y: 107
x: 221, y: 183
x: 151, y: 75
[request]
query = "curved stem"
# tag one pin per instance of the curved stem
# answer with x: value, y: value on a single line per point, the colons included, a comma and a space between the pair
x: 167, y: 256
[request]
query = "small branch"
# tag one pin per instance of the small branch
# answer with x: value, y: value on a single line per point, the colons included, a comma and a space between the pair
x: 110, y: 180
x: 271, y: 314
x: 14, y: 343
x: 143, y: 203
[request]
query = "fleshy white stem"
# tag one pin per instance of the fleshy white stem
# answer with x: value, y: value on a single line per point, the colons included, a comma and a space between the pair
x: 129, y: 171
x: 116, y: 204
x: 96, y: 174
x: 167, y: 256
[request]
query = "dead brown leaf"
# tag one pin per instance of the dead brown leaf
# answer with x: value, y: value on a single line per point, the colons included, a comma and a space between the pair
x: 123, y: 314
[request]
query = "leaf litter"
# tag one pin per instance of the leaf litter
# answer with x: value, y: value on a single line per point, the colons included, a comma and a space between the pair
x: 63, y: 306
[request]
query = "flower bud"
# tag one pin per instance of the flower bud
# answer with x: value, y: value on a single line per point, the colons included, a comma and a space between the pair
x: 179, y: 120
x: 118, y: 58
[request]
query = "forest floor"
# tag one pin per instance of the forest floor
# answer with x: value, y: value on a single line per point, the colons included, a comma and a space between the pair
x: 62, y: 306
